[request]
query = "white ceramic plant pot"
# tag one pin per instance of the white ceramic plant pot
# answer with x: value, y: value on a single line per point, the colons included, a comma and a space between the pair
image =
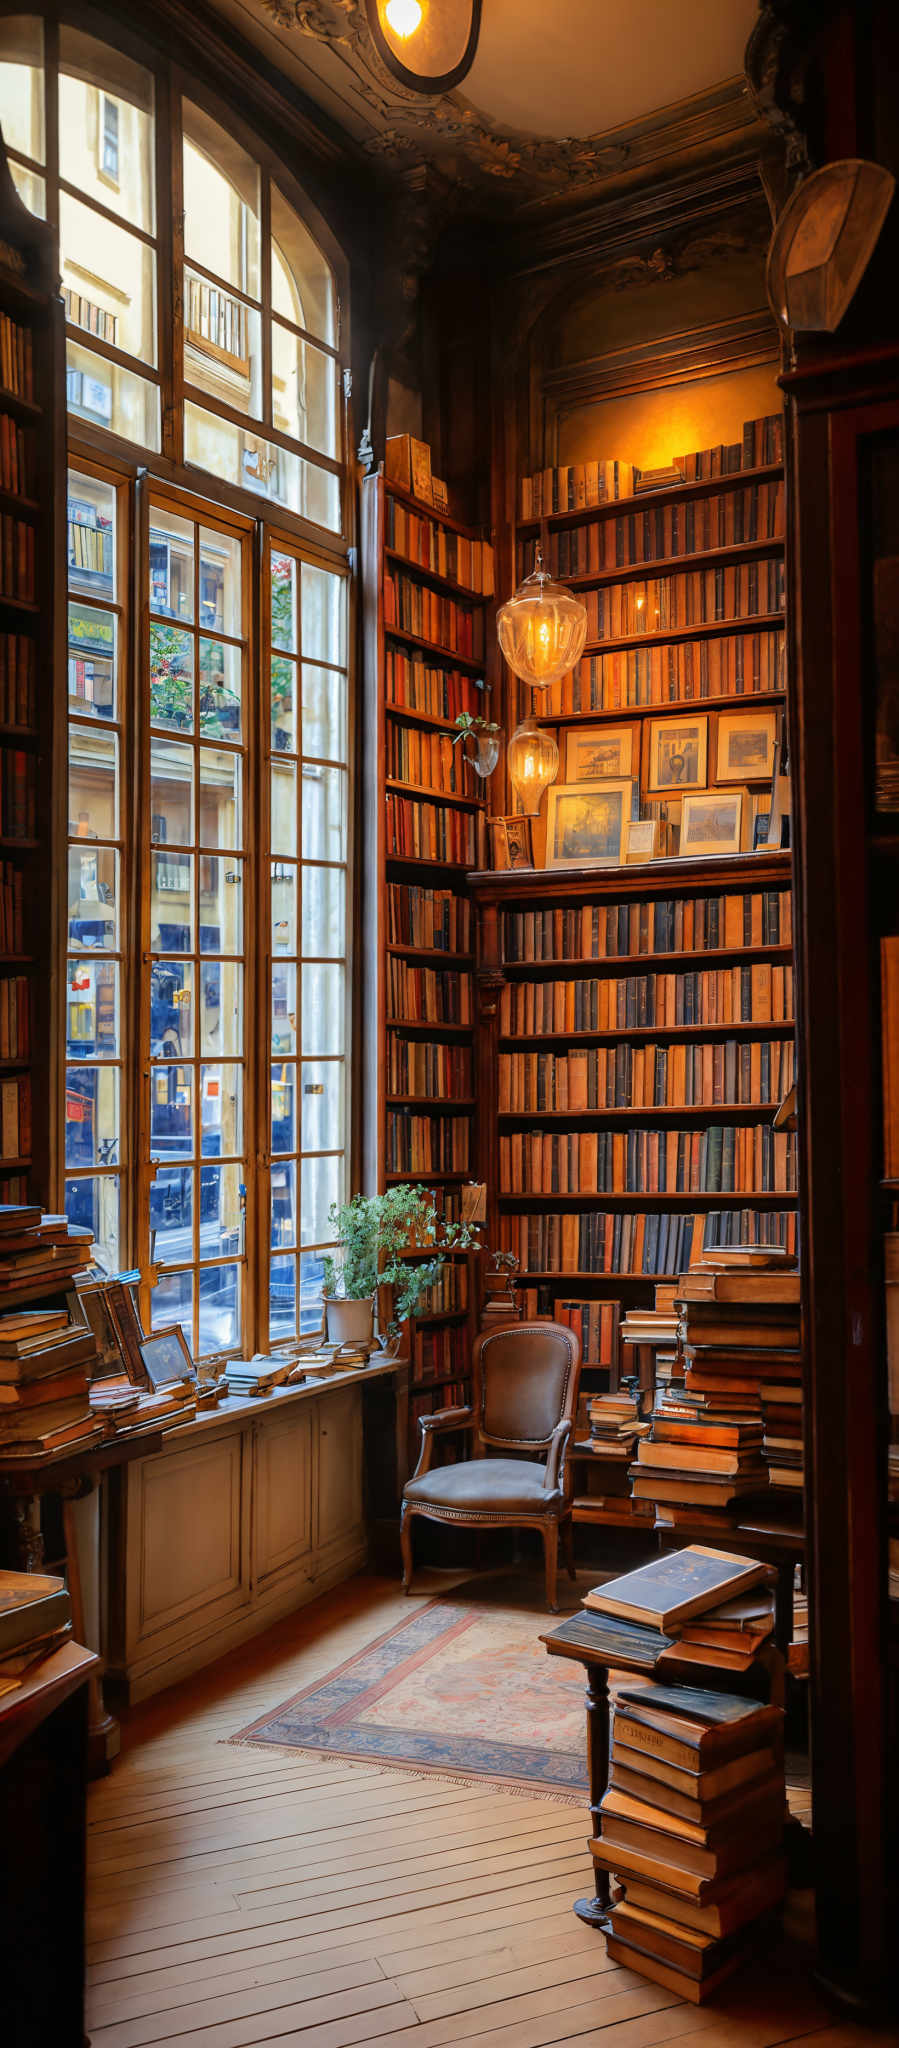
x: 350, y: 1322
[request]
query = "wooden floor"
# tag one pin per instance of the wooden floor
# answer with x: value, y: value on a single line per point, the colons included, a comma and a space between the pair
x: 239, y: 1897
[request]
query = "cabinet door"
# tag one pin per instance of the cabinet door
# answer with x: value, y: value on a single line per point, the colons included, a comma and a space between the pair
x: 187, y: 1541
x: 282, y: 1492
x: 339, y: 1510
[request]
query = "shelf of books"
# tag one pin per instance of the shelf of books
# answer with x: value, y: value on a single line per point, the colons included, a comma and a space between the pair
x: 31, y: 454
x: 428, y: 597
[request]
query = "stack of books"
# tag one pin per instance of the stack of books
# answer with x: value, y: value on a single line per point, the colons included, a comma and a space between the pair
x: 697, y: 1607
x: 257, y: 1376
x: 741, y: 1341
x: 45, y: 1351
x: 615, y: 1424
x: 35, y: 1620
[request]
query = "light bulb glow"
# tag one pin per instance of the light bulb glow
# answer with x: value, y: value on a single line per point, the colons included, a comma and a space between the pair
x: 541, y: 630
x: 533, y: 759
x: 403, y: 16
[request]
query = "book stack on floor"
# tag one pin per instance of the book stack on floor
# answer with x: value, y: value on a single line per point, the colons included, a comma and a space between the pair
x: 45, y: 1351
x: 35, y: 1620
x: 692, y: 1821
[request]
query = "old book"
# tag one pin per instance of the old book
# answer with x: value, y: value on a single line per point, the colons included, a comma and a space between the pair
x: 628, y: 1824
x: 693, y: 1727
x: 700, y: 1785
x: 693, y: 1455
x: 739, y: 1287
x: 697, y: 1990
x: 32, y: 1604
x: 695, y: 1486
x: 672, y: 1588
x: 687, y: 1948
x: 59, y: 1386
x: 724, y: 1908
x: 730, y: 1807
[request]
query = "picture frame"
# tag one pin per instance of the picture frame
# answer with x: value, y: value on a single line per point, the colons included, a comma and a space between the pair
x: 587, y: 824
x: 744, y: 746
x: 122, y: 1309
x: 678, y: 754
x: 110, y: 1361
x: 511, y: 842
x: 598, y: 753
x: 166, y: 1359
x: 642, y: 839
x: 712, y: 822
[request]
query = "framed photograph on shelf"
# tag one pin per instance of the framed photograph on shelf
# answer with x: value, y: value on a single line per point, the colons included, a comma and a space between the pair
x: 713, y: 822
x: 745, y: 746
x: 642, y: 839
x: 166, y: 1359
x: 587, y: 824
x: 596, y: 753
x: 511, y: 842
x: 678, y: 754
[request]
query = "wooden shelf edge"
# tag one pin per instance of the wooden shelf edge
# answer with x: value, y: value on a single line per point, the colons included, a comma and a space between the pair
x: 676, y: 707
x: 473, y: 663
x: 770, y: 867
x: 447, y: 583
x: 642, y: 501
x: 668, y: 1033
x: 672, y: 565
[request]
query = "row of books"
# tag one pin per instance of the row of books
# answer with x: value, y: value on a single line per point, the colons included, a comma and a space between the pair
x: 454, y: 1394
x: 658, y: 532
x: 432, y: 546
x: 737, y: 590
x: 428, y: 831
x: 89, y: 539
x: 426, y: 1144
x: 16, y: 679
x: 438, y: 1353
x: 724, y: 1159
x: 412, y: 683
x: 430, y: 758
x: 17, y: 557
x: 15, y: 1017
x: 448, y: 1293
x: 645, y: 1076
x: 12, y: 908
x: 83, y: 312
x: 15, y: 1117
x: 432, y: 994
x: 572, y: 486
x: 17, y: 794
x: 415, y: 1067
x: 656, y: 1244
x: 595, y: 1324
x: 443, y: 620
x: 16, y: 358
x: 734, y: 665
x: 437, y: 920
x: 760, y: 993
x: 670, y: 924
x: 16, y: 457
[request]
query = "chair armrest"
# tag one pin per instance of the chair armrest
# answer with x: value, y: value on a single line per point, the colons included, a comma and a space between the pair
x: 556, y: 1455
x: 445, y: 1418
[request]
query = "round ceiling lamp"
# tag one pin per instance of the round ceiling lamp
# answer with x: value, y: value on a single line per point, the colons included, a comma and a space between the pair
x: 429, y: 45
x: 542, y: 629
x: 533, y: 760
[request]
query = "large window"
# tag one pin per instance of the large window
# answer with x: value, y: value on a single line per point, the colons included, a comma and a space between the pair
x: 206, y: 998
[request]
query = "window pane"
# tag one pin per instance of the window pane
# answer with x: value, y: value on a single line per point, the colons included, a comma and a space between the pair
x: 324, y: 913
x: 171, y: 566
x: 220, y: 1211
x: 92, y: 670
x: 94, y: 1201
x: 324, y: 616
x: 324, y: 713
x: 171, y: 793
x: 172, y: 903
x: 285, y: 738
x: 110, y: 396
x: 284, y: 808
x: 322, y: 1086
x: 92, y: 1116
x: 324, y: 812
x: 219, y: 1309
x: 222, y: 345
x: 92, y: 1009
x: 171, y: 678
x: 220, y: 689
x: 122, y: 310
x: 284, y: 1128
x: 171, y: 1216
x: 239, y: 455
x: 284, y: 907
x: 90, y: 535
x: 106, y: 130
x: 320, y: 1185
x: 220, y: 811
x: 32, y: 191
x: 221, y: 202
x: 221, y: 1111
x: 284, y: 602
x: 323, y: 1009
x: 282, y: 1299
x: 93, y: 899
x: 284, y: 1007
x: 22, y: 85
x: 221, y: 904
x: 93, y: 783
x: 171, y: 1009
x: 171, y: 1113
x: 302, y: 279
x: 312, y: 1276
x: 221, y: 603
x: 221, y: 1007
x: 172, y: 1301
x: 284, y: 1203
x: 304, y: 391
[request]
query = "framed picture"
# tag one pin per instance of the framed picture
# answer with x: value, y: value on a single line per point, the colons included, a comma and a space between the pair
x: 596, y: 753
x: 165, y: 1357
x: 641, y: 839
x: 587, y: 824
x: 511, y: 842
x: 713, y: 822
x: 745, y: 746
x: 110, y: 1361
x: 122, y: 1307
x: 678, y: 754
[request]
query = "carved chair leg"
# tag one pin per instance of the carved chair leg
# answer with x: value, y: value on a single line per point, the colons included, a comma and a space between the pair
x: 406, y: 1547
x: 551, y: 1555
x: 568, y: 1541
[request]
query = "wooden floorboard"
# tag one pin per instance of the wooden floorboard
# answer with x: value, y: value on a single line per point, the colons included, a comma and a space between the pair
x: 253, y: 1898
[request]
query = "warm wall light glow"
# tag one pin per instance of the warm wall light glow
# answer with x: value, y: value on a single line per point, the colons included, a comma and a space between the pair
x: 403, y: 16
x: 533, y: 759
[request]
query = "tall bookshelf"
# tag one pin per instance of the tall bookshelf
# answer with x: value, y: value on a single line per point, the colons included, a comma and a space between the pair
x: 427, y: 649
x: 32, y: 740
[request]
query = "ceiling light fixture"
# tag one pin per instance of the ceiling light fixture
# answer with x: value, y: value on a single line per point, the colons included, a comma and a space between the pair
x: 542, y: 629
x: 403, y: 16
x: 428, y: 46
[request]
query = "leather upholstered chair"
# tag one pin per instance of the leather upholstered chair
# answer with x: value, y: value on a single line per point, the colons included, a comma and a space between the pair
x: 524, y: 1396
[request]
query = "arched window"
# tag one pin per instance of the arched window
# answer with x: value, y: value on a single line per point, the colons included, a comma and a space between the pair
x: 206, y: 1036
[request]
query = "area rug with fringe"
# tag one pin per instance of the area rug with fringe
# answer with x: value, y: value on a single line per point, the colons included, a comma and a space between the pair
x: 460, y: 1690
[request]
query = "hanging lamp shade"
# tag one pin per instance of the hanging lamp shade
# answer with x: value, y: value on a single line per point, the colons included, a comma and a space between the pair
x: 533, y: 759
x: 542, y: 629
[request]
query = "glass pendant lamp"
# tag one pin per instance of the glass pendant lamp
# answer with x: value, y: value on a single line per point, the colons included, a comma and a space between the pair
x: 533, y: 759
x: 542, y: 629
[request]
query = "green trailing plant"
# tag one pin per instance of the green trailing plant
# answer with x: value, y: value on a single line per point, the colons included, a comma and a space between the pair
x: 376, y: 1233
x: 478, y: 727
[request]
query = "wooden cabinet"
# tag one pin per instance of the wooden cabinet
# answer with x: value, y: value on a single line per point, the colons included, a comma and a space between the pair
x: 282, y: 1494
x: 338, y: 1502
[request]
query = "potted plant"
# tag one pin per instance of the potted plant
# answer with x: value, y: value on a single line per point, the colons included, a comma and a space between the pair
x: 375, y: 1234
x: 485, y: 734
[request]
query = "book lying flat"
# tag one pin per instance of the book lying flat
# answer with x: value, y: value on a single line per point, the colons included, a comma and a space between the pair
x: 696, y: 1990
x: 697, y: 1786
x: 672, y: 1588
x: 32, y: 1604
x: 686, y: 1948
x: 725, y: 1907
x: 732, y: 1807
x: 692, y: 1727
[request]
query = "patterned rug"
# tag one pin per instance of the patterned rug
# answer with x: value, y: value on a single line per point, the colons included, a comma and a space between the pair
x: 459, y: 1689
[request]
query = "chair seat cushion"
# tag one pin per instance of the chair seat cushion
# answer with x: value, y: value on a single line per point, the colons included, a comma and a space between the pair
x: 505, y: 1486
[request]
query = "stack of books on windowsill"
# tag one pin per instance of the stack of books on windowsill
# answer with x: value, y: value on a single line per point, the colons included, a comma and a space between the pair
x: 46, y: 1351
x: 127, y: 1410
x: 35, y: 1620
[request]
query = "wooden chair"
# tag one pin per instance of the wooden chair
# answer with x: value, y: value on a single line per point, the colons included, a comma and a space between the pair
x: 524, y: 1397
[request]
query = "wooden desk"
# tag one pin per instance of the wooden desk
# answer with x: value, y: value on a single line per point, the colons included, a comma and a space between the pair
x: 43, y: 1791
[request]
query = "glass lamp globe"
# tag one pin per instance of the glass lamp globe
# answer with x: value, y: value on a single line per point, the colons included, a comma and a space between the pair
x: 533, y: 759
x: 542, y: 629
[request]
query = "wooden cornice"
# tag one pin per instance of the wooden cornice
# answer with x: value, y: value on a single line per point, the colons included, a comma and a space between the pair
x: 599, y: 233
x: 734, y: 344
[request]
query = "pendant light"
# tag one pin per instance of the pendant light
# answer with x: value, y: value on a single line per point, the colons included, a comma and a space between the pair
x: 533, y: 759
x: 542, y: 629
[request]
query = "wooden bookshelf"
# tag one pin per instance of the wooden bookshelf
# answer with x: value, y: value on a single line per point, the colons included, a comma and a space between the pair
x: 32, y: 710
x: 421, y: 1062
